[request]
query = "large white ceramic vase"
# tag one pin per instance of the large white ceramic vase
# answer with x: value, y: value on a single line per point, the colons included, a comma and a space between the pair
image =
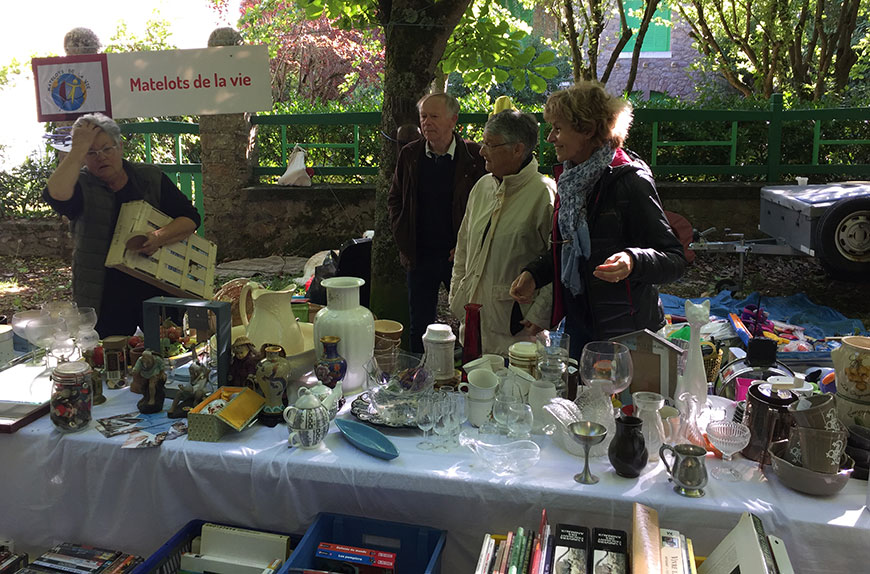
x: 345, y: 318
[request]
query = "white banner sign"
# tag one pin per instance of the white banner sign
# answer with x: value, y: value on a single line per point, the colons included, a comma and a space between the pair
x: 219, y: 80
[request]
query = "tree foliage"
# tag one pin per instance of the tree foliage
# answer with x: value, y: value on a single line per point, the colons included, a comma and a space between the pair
x: 583, y: 26
x: 808, y: 47
x: 312, y: 59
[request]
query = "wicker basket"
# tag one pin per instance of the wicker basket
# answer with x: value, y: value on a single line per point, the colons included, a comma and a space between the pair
x: 184, y: 269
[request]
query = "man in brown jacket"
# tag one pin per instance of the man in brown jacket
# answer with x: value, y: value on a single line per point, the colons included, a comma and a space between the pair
x: 426, y: 204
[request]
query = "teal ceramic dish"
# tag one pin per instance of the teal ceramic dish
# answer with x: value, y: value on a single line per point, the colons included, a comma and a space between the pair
x: 367, y: 439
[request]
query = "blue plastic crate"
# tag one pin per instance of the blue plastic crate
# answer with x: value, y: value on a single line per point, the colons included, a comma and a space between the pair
x: 167, y: 559
x: 417, y: 548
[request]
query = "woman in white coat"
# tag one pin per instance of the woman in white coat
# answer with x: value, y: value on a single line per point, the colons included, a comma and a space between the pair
x: 507, y: 221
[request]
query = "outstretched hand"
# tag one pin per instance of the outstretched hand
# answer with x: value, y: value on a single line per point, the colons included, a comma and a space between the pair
x: 615, y: 268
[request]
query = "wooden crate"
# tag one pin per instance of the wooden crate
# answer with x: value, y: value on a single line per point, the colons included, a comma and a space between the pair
x: 184, y: 269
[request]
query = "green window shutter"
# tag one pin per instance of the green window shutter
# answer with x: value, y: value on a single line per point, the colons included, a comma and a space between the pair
x: 658, y: 37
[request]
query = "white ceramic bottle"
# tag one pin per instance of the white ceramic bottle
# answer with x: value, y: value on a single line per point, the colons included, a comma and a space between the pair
x: 344, y: 317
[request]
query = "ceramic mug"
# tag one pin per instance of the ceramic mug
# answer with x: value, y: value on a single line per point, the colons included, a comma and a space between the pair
x: 496, y: 362
x: 481, y: 384
x: 309, y: 438
x: 478, y: 363
x: 478, y: 410
x: 821, y: 450
x: 687, y: 468
x: 821, y: 414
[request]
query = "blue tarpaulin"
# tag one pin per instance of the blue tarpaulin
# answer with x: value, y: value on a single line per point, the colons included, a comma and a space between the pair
x: 818, y: 321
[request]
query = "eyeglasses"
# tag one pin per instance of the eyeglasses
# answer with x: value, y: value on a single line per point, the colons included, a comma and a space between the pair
x: 493, y: 146
x: 105, y: 152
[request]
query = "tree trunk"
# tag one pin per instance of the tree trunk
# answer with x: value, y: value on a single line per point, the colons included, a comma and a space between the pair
x: 412, y: 53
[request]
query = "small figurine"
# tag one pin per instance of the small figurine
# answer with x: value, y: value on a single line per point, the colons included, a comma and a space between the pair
x: 244, y: 363
x: 190, y: 395
x: 148, y: 372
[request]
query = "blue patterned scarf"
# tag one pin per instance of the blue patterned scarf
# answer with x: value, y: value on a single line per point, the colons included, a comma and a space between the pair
x: 574, y: 186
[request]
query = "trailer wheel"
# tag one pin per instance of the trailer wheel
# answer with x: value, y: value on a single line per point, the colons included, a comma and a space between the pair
x: 843, y: 239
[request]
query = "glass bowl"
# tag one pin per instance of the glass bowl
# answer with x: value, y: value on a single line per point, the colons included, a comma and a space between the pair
x: 395, y: 382
x: 503, y: 458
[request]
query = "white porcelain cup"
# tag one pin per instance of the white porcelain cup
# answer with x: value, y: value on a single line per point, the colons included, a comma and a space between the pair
x: 801, y: 180
x: 481, y: 385
x: 478, y: 410
x: 496, y: 362
x: 478, y: 363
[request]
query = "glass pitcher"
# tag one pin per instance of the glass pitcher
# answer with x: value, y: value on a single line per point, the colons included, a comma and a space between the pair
x: 646, y: 408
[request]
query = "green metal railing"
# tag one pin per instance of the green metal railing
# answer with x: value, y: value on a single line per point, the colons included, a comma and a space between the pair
x: 362, y: 139
x: 187, y: 176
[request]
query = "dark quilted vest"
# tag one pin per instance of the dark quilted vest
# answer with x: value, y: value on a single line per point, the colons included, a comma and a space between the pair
x: 92, y: 231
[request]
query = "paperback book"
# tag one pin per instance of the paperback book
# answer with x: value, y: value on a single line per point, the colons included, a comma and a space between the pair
x: 609, y: 551
x: 571, y: 549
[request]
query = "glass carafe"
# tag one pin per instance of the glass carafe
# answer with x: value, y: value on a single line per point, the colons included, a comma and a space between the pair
x: 646, y: 408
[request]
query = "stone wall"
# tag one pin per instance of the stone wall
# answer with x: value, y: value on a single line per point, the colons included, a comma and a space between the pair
x: 49, y: 237
x: 300, y: 221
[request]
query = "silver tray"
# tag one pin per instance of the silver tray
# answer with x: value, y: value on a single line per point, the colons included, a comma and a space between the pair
x: 361, y: 408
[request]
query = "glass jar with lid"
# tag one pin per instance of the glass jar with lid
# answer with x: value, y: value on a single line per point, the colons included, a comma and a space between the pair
x: 71, y: 396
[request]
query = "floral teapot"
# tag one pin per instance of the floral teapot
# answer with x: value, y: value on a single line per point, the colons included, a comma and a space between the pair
x: 307, y: 420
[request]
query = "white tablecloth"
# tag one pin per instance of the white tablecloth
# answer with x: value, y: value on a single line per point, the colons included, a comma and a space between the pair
x: 84, y: 488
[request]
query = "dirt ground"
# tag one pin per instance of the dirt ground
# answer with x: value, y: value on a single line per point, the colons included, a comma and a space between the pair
x: 26, y: 283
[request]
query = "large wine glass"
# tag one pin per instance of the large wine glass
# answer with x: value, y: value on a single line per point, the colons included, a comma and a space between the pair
x: 20, y: 321
x: 606, y: 369
x: 730, y: 438
x: 41, y: 332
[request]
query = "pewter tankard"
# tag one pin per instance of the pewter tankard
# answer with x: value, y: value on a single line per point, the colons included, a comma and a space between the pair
x: 687, y: 469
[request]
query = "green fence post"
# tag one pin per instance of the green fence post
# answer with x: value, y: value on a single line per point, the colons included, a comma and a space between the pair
x: 774, y: 138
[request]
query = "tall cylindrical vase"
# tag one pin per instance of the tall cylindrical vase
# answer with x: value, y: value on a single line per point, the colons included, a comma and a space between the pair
x: 345, y: 318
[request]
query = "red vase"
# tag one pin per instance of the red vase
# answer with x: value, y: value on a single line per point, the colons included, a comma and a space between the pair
x: 471, y: 346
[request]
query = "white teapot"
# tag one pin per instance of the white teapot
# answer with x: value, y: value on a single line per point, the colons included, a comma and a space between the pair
x: 307, y: 420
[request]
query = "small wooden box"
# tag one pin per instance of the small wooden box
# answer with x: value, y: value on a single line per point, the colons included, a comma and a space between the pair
x: 183, y: 269
x: 237, y: 415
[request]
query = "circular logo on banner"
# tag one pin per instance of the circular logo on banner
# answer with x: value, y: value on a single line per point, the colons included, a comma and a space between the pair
x: 69, y: 92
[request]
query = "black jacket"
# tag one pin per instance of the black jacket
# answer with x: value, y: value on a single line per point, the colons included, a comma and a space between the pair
x: 402, y: 198
x: 624, y: 214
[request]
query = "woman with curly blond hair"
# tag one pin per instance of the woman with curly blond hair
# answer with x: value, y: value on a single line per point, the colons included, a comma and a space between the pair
x: 611, y: 242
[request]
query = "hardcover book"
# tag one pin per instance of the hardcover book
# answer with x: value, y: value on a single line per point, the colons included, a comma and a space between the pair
x: 745, y: 550
x: 571, y: 549
x: 645, y: 540
x: 609, y: 551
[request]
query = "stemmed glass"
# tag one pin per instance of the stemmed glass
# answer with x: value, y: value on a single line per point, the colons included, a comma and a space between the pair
x: 56, y: 307
x: 41, y: 332
x: 426, y: 411
x: 458, y: 416
x: 20, y: 321
x: 729, y: 438
x: 443, y: 425
x: 520, y: 420
x: 588, y: 434
x: 606, y: 369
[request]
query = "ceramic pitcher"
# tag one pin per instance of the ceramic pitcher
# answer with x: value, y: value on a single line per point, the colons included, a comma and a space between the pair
x: 273, y: 321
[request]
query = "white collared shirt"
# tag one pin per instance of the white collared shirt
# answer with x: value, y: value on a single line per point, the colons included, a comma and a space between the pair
x: 450, y: 150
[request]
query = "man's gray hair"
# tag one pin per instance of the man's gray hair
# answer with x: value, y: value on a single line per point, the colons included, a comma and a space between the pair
x: 103, y: 122
x: 515, y: 127
x: 451, y: 103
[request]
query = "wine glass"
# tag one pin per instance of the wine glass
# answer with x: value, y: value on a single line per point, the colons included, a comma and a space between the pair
x: 606, y: 369
x: 41, y: 332
x: 729, y: 438
x: 56, y: 307
x: 426, y: 419
x: 588, y: 434
x: 443, y: 424
x: 20, y: 321
x: 520, y: 420
x: 459, y: 415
